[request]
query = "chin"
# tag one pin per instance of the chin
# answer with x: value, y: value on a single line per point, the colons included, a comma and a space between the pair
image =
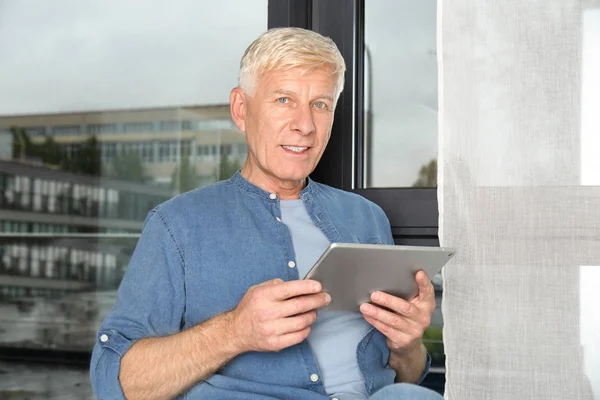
x: 293, y: 174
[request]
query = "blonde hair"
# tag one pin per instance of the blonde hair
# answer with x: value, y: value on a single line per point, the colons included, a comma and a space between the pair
x: 286, y: 48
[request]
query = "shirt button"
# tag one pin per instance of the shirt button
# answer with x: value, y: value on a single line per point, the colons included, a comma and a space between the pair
x: 291, y: 264
x: 104, y: 338
x: 272, y: 196
x: 278, y: 219
x: 314, y: 377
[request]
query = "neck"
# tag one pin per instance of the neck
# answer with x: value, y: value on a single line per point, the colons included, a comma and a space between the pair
x: 286, y: 190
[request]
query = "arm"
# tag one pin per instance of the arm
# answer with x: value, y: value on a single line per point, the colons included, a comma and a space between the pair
x: 410, y: 366
x: 408, y: 357
x: 150, y: 304
x: 403, y: 323
x: 271, y: 316
x: 177, y: 362
x: 140, y: 351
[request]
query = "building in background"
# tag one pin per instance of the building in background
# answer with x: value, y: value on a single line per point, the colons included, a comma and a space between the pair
x: 193, y: 144
x: 75, y: 189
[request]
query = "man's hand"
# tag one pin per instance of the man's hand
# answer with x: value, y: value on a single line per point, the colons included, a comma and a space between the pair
x: 276, y: 314
x: 406, y: 321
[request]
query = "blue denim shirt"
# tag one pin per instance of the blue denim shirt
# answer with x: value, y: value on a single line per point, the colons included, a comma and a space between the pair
x: 198, y: 255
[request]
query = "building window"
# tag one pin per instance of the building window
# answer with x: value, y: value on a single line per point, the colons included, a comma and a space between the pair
x: 163, y: 151
x: 138, y: 127
x: 36, y: 131
x: 186, y: 148
x: 66, y: 130
x: 170, y: 126
x: 225, y: 150
x: 102, y: 128
x: 148, y: 152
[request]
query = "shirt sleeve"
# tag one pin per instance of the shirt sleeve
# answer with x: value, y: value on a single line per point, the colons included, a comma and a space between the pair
x: 383, y: 224
x: 427, y: 369
x: 388, y: 238
x: 150, y: 303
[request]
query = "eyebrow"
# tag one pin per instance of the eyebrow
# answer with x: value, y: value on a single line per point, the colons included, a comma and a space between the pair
x: 288, y: 93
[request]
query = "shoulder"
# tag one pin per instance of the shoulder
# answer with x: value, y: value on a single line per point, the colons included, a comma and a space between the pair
x: 190, y: 205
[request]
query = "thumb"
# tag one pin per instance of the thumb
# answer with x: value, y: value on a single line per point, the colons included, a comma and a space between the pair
x: 275, y: 281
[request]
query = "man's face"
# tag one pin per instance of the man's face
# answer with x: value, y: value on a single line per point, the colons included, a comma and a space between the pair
x: 288, y: 122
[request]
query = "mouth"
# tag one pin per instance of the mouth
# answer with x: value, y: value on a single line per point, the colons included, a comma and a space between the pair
x: 296, y: 149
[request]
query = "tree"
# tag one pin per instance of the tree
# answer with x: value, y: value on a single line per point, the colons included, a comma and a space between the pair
x: 184, y: 177
x: 87, y: 159
x: 22, y: 145
x: 53, y: 154
x: 227, y: 168
x: 127, y: 166
x: 427, y: 175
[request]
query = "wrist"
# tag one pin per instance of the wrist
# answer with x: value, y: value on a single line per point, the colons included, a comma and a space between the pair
x: 221, y: 333
x: 233, y: 336
x: 409, y: 364
x: 411, y: 352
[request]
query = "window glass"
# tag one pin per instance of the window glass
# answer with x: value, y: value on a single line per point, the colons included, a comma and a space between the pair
x: 102, y: 112
x: 400, y: 93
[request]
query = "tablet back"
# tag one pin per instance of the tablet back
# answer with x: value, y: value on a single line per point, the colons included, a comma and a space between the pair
x: 350, y: 272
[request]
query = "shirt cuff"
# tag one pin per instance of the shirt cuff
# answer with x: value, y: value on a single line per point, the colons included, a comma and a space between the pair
x: 427, y: 368
x: 106, y: 363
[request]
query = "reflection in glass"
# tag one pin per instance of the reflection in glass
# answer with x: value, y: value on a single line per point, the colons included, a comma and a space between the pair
x: 400, y: 93
x: 103, y: 115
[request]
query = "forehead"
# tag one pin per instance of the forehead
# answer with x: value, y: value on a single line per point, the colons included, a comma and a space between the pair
x: 319, y: 77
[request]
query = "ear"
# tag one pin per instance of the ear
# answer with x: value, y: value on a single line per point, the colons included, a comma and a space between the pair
x: 237, y: 106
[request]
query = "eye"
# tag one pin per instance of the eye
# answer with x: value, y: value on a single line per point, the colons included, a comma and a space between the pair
x: 320, y: 104
x: 283, y: 100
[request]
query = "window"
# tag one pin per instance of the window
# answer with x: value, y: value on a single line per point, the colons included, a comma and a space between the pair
x: 102, y: 128
x: 400, y: 115
x: 214, y: 125
x: 137, y: 127
x: 351, y: 160
x: 66, y: 130
x: 170, y: 126
x: 36, y: 131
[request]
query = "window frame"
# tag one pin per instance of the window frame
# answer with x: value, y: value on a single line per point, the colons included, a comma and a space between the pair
x: 412, y: 212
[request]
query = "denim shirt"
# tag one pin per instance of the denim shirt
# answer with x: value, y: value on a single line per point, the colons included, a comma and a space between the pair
x: 198, y: 255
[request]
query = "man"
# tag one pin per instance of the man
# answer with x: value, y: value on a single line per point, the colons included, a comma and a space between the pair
x: 212, y: 307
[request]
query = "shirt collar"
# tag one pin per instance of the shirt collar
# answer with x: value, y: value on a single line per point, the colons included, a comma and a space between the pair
x: 241, y: 182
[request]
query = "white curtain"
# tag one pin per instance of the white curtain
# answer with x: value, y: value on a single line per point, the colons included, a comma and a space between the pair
x: 519, y: 197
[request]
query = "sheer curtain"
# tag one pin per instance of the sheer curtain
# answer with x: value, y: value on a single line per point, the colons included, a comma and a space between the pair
x: 519, y: 197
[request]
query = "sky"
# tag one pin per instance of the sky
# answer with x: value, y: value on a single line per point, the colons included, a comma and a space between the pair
x: 66, y: 55
x: 72, y: 55
x: 69, y: 55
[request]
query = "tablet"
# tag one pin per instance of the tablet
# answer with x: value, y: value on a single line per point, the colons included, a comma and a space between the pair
x: 350, y: 272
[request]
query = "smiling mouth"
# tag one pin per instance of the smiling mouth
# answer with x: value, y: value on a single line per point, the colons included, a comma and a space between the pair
x: 296, y: 149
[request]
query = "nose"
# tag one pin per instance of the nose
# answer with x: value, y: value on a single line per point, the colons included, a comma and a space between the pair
x: 303, y: 122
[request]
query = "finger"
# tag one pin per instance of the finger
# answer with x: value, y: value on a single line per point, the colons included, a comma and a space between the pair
x: 287, y: 290
x: 271, y: 282
x: 283, y: 326
x: 395, y: 321
x: 425, y: 286
x: 393, y: 335
x: 396, y: 304
x: 291, y: 339
x: 301, y: 304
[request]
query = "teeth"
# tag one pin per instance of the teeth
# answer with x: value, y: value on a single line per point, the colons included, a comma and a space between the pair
x: 295, y: 149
